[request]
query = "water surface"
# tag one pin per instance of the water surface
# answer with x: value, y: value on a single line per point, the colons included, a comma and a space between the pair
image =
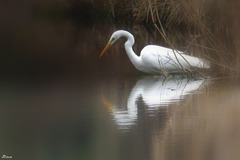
x: 60, y: 101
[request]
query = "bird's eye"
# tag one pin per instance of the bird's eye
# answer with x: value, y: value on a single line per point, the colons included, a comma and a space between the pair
x: 113, y: 39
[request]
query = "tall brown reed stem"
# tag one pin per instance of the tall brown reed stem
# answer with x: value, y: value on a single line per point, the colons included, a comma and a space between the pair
x: 163, y: 34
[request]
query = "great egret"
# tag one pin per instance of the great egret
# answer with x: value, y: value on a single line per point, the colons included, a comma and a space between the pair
x: 155, y: 59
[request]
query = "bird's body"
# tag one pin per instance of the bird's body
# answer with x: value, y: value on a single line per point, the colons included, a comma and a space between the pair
x: 155, y: 59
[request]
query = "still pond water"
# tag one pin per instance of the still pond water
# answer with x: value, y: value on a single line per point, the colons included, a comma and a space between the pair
x: 60, y: 101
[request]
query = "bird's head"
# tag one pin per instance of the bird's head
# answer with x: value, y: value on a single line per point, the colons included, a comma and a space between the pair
x: 115, y: 36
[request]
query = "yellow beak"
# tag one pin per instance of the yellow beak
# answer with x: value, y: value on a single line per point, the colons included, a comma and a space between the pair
x: 105, y: 49
x: 107, y: 104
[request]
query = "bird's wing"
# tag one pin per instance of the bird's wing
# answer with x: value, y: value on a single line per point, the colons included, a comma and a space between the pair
x: 166, y: 59
x: 159, y: 59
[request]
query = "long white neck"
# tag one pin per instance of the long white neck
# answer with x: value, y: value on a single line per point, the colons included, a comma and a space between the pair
x: 128, y: 47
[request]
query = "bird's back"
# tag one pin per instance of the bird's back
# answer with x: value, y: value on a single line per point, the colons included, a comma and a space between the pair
x: 157, y: 59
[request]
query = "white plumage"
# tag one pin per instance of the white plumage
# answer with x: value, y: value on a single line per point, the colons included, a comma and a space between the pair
x: 155, y: 59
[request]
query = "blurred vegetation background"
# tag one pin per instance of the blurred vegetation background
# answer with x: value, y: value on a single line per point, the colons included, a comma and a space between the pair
x: 210, y: 27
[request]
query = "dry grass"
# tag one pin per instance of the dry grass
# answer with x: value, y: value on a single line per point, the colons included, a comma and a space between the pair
x: 210, y: 26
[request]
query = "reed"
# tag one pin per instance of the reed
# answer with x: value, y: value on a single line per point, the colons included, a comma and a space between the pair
x: 210, y: 26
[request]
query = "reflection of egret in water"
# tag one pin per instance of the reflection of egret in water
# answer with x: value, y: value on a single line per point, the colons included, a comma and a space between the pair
x: 155, y: 92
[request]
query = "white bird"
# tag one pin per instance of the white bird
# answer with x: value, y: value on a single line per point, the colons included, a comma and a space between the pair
x: 155, y: 59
